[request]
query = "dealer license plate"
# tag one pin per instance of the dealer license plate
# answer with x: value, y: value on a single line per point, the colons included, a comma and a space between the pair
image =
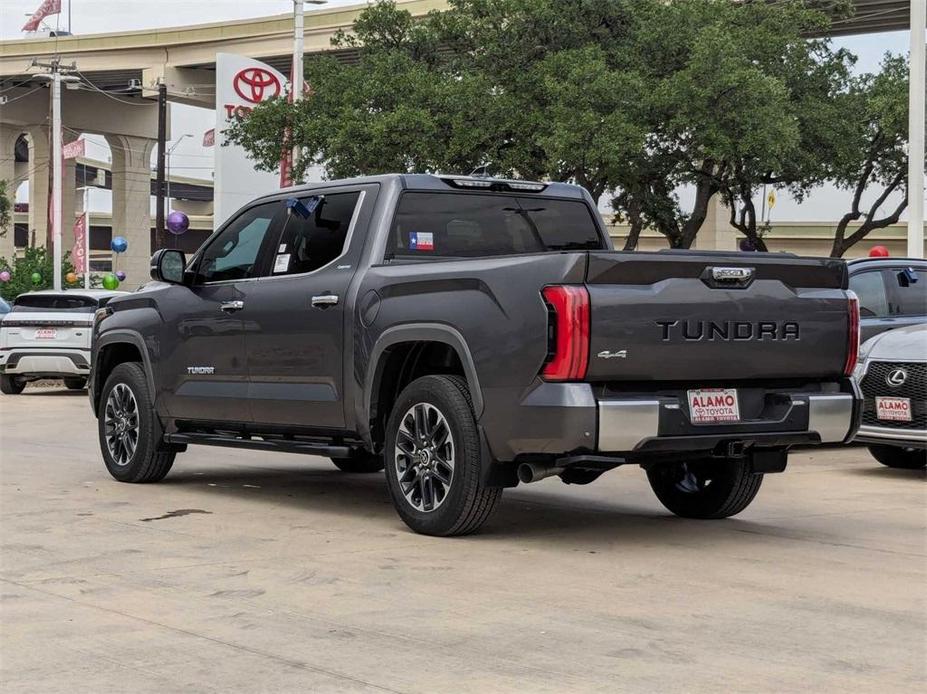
x: 893, y: 409
x: 46, y: 333
x: 713, y: 405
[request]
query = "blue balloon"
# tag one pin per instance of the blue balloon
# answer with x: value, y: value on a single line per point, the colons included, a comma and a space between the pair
x: 119, y: 244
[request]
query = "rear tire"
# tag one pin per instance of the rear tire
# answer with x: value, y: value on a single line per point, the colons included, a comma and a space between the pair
x: 75, y: 383
x: 705, y: 489
x: 11, y: 385
x: 900, y: 458
x: 131, y: 437
x: 433, y: 459
x: 360, y: 463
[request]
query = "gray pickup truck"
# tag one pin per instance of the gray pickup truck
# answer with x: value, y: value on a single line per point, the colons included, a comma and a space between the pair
x: 468, y: 334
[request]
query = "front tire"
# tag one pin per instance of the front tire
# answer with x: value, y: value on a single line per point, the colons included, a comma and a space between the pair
x: 12, y: 385
x: 129, y: 429
x: 433, y: 459
x: 900, y: 458
x: 75, y: 383
x: 705, y: 489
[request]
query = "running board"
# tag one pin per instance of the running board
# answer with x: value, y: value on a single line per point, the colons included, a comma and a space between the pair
x: 281, y: 445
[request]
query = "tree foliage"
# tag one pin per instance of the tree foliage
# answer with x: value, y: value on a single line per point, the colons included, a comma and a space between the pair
x: 6, y: 208
x: 34, y: 259
x: 634, y: 98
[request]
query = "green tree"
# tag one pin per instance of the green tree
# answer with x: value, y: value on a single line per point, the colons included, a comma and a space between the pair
x: 872, y: 157
x: 638, y: 97
x: 35, y: 259
x: 6, y: 208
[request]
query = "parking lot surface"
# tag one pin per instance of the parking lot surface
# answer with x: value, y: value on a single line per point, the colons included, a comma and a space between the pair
x: 247, y: 571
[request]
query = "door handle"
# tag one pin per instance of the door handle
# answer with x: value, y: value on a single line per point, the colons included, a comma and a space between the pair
x: 324, y: 300
x: 231, y: 306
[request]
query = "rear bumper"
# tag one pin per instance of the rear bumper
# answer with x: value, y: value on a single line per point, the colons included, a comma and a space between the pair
x: 46, y: 362
x: 661, y: 424
x: 909, y: 438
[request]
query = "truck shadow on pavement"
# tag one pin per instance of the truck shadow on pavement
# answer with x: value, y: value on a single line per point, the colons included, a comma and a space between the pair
x: 523, y: 512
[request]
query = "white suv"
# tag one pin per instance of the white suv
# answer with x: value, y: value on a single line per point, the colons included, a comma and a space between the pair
x: 47, y: 335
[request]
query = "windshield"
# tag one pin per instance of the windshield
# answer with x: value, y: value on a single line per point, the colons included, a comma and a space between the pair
x: 53, y: 302
x: 430, y: 225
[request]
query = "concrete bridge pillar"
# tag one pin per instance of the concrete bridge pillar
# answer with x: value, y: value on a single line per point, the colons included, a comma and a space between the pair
x: 132, y: 205
x: 39, y: 174
x: 8, y: 137
x: 716, y: 233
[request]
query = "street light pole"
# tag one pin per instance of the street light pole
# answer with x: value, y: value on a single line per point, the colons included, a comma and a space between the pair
x: 296, y: 80
x: 56, y: 156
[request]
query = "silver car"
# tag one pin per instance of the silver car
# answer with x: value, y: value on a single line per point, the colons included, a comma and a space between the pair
x: 892, y: 375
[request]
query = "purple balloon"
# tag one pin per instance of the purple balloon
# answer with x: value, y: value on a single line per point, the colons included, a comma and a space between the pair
x: 746, y: 245
x: 177, y: 222
x: 5, y: 276
x: 120, y: 275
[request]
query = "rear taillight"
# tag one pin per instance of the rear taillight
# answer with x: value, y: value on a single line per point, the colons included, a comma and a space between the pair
x: 569, y: 328
x: 853, y: 335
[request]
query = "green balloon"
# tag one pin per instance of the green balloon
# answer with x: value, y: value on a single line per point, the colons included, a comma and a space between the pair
x: 110, y: 281
x: 36, y: 278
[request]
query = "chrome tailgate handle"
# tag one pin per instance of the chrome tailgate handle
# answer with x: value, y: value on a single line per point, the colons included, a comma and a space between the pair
x: 324, y: 300
x: 231, y: 306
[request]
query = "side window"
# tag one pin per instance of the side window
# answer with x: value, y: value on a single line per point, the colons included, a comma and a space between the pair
x: 308, y: 243
x: 233, y: 255
x: 870, y: 288
x: 910, y: 291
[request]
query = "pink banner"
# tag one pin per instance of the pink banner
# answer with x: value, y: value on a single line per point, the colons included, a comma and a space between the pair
x: 74, y: 149
x: 79, y: 251
x: 46, y: 8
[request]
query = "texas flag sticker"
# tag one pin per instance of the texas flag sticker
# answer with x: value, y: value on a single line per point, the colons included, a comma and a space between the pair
x: 421, y: 241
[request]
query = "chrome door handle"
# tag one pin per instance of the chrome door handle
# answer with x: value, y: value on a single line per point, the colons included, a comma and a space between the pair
x: 231, y: 306
x: 324, y: 300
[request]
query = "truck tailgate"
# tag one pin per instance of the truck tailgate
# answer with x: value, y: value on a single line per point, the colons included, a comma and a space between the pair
x: 684, y: 316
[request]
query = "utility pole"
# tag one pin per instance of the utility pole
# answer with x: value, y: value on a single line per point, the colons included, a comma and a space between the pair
x: 296, y: 81
x: 916, y: 81
x: 55, y: 77
x: 159, y: 184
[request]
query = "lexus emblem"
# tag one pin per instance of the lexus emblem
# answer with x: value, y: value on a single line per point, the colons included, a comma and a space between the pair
x: 896, y: 377
x: 256, y: 84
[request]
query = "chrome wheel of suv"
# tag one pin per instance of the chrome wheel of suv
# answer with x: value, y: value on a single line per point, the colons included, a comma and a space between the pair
x: 120, y: 420
x: 424, y: 457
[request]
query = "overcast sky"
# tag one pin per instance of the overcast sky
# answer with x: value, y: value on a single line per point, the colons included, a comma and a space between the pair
x: 190, y: 158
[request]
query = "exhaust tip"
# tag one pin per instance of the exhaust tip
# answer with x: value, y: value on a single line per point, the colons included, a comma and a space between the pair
x: 526, y: 473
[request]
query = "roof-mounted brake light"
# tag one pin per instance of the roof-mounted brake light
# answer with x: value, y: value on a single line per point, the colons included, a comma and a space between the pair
x: 495, y: 184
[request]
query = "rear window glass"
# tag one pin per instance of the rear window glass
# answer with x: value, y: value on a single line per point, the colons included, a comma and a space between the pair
x: 870, y: 288
x: 53, y: 302
x: 911, y: 295
x: 429, y: 225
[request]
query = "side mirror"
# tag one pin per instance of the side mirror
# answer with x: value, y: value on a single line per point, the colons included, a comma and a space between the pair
x: 167, y: 265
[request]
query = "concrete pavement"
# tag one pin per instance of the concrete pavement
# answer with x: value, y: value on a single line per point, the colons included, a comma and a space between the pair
x: 259, y: 572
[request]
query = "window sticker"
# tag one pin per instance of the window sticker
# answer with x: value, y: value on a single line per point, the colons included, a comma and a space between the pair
x: 421, y: 241
x: 282, y: 248
x: 282, y: 262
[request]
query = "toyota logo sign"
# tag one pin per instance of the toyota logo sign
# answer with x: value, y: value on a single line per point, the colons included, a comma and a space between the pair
x: 255, y: 84
x: 896, y: 377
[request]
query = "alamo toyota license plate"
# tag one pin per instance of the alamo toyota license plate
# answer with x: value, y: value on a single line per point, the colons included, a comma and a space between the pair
x: 46, y: 333
x: 893, y: 409
x: 713, y: 405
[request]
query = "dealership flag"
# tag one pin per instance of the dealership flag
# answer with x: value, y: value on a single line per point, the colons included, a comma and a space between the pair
x: 74, y: 149
x: 46, y: 8
x: 79, y: 251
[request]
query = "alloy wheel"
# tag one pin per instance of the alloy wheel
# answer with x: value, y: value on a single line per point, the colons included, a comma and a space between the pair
x: 121, y: 421
x: 424, y: 457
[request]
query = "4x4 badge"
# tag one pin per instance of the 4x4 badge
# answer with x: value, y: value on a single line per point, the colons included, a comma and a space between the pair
x: 896, y: 377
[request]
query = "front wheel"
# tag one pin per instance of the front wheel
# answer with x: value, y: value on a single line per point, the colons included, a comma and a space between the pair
x: 129, y: 429
x: 11, y: 385
x: 705, y: 488
x: 433, y: 460
x: 898, y: 457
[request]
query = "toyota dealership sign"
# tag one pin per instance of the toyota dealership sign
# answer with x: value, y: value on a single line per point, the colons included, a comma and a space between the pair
x: 241, y: 84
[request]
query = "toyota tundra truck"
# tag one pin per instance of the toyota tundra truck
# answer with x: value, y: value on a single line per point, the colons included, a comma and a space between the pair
x: 469, y: 334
